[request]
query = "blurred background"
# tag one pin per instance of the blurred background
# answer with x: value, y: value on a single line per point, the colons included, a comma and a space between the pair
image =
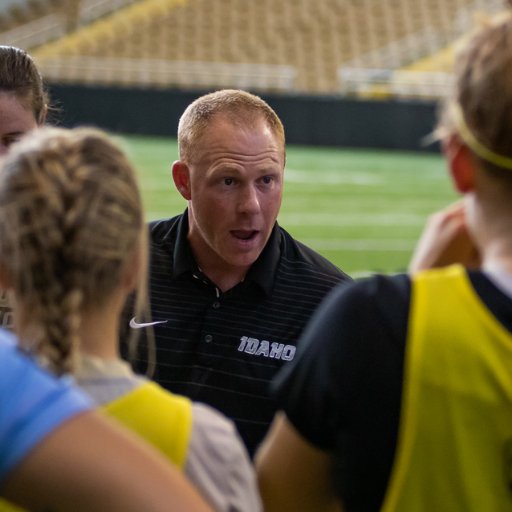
x: 356, y: 82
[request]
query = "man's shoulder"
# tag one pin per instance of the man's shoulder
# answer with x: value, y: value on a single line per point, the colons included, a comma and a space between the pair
x: 164, y: 230
x: 298, y: 254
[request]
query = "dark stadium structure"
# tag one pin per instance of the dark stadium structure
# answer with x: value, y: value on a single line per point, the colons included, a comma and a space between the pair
x: 364, y: 73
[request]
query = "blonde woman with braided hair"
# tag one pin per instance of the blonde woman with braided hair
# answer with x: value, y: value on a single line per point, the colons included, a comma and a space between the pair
x: 58, y: 454
x: 72, y: 248
x: 411, y: 406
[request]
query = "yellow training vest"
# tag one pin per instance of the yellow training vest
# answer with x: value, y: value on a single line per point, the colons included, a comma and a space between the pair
x: 7, y: 506
x: 159, y: 416
x: 455, y: 439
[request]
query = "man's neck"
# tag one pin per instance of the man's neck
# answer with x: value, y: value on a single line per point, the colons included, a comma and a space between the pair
x: 223, y: 279
x: 216, y: 269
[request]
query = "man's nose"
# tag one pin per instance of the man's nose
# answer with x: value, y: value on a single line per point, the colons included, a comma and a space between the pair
x: 249, y: 201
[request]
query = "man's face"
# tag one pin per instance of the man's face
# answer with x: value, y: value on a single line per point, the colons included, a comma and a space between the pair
x: 234, y: 189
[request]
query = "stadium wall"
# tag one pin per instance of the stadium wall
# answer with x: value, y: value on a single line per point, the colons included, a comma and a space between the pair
x: 308, y: 120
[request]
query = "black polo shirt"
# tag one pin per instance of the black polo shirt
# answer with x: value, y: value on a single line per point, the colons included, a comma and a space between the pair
x: 223, y: 349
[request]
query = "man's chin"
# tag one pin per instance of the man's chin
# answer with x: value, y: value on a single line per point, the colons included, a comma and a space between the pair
x: 243, y: 260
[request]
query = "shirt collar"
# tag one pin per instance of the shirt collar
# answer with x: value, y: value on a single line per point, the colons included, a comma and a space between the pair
x: 262, y: 272
x: 90, y: 367
x: 183, y: 258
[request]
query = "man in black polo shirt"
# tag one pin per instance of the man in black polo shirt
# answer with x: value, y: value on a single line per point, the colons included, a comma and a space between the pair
x: 230, y: 289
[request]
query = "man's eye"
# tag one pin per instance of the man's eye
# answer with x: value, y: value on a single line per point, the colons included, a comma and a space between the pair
x: 228, y: 181
x: 267, y: 179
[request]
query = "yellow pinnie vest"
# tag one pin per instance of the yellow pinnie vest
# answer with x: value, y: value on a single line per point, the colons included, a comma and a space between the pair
x: 454, y: 449
x: 159, y: 416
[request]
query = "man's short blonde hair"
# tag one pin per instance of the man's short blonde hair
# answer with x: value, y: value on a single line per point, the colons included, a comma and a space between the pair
x: 240, y: 107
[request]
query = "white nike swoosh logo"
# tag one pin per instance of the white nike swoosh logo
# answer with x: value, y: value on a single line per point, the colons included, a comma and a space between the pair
x: 135, y: 325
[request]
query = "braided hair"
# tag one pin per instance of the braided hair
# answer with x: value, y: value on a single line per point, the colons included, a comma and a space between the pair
x: 71, y: 217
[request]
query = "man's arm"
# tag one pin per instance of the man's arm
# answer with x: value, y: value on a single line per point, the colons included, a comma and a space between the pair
x: 292, y: 473
x: 90, y: 463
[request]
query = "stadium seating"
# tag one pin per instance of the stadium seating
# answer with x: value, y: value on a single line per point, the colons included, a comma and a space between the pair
x: 30, y: 23
x: 315, y: 46
x: 418, y: 64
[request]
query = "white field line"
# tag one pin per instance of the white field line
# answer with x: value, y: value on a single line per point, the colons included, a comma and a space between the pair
x: 322, y: 177
x: 361, y: 274
x: 351, y: 219
x: 357, y: 177
x: 360, y: 245
x: 323, y: 219
x: 339, y: 177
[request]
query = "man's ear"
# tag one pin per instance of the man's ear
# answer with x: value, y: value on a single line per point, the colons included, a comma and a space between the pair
x: 461, y: 163
x: 181, y: 177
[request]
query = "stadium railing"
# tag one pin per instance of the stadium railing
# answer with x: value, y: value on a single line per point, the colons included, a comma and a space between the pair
x: 270, y: 44
x: 194, y: 74
x: 55, y: 23
x: 383, y: 83
x: 36, y: 32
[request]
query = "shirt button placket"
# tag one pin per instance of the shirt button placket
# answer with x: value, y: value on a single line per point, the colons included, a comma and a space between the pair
x: 208, y: 338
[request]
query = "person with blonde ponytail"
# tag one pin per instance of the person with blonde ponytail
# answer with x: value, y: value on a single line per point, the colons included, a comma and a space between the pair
x: 72, y: 248
x: 59, y: 454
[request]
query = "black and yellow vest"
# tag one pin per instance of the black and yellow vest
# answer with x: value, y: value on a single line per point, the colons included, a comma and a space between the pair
x: 454, y: 450
x: 160, y: 417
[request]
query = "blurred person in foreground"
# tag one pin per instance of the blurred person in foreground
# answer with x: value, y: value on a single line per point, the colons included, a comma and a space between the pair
x: 57, y: 454
x: 401, y: 395
x: 230, y: 289
x: 72, y: 248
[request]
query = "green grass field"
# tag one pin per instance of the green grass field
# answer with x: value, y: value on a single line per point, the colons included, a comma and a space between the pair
x: 361, y: 209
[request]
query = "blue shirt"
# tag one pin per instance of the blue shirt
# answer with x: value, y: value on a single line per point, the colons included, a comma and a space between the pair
x: 32, y: 403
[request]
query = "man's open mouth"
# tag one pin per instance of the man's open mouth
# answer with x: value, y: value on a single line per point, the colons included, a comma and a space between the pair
x: 244, y: 234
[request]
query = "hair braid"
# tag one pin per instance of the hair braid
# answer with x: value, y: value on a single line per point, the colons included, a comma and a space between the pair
x: 70, y: 218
